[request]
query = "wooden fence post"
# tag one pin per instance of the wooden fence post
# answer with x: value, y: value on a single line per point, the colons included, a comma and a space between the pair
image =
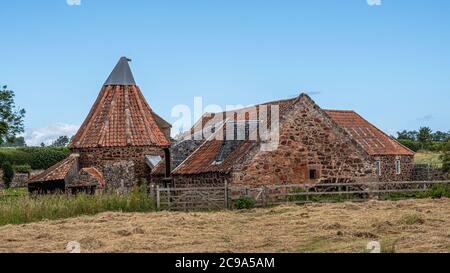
x: 226, y: 195
x: 169, y: 197
x: 264, y: 197
x: 158, y: 198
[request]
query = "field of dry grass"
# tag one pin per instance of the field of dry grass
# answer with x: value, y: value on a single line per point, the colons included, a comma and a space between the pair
x: 403, y: 226
x: 426, y: 157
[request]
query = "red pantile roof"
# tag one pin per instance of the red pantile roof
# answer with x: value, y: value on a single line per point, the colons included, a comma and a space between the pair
x: 96, y: 174
x: 248, y: 113
x: 373, y: 140
x: 120, y: 117
x: 202, y: 160
x: 58, y: 171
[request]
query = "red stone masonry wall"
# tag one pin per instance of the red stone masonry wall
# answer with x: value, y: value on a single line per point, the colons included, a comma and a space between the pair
x: 389, y: 171
x: 309, y: 140
x: 201, y: 180
x: 97, y: 157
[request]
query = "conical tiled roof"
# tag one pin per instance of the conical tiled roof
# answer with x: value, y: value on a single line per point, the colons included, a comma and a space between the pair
x: 121, y: 116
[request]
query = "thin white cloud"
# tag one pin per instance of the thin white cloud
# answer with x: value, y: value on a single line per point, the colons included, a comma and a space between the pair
x: 34, y: 137
x: 73, y: 2
x: 374, y: 2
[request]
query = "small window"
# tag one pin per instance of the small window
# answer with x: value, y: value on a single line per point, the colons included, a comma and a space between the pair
x: 398, y: 166
x: 312, y: 174
x: 378, y: 167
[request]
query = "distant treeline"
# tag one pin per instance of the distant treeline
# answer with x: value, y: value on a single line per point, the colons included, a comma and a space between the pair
x: 424, y: 139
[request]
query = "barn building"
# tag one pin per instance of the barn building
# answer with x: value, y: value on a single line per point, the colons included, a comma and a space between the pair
x: 118, y: 144
x: 314, y: 145
x: 123, y: 143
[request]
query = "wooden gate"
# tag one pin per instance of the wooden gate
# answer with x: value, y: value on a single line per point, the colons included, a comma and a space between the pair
x: 210, y: 198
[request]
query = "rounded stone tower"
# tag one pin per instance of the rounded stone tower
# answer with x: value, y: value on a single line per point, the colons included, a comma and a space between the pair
x: 121, y: 128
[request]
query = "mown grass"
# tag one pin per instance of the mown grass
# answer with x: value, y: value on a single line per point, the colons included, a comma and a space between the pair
x: 28, y: 209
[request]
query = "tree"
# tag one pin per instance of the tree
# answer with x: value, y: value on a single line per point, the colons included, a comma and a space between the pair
x: 42, y: 144
x: 407, y: 135
x: 424, y: 135
x: 440, y: 136
x: 15, y: 142
x: 62, y: 141
x: 11, y: 119
x: 8, y: 173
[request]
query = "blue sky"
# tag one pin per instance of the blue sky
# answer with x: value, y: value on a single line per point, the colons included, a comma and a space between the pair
x: 389, y: 62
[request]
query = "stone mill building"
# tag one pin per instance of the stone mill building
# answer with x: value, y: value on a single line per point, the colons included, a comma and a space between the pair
x: 123, y: 143
x: 314, y: 146
x: 118, y: 144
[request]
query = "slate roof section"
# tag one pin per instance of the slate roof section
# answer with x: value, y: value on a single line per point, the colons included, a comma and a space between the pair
x: 370, y: 138
x: 58, y: 171
x: 120, y: 117
x: 121, y: 75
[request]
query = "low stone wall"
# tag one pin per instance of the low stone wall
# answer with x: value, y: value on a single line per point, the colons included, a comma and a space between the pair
x: 201, y: 180
x: 429, y: 173
x: 20, y: 180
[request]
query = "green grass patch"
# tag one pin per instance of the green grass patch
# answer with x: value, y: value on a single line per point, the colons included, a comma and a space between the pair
x: 14, y: 192
x: 320, y: 198
x: 428, y: 158
x: 316, y: 245
x: 28, y: 209
x: 436, y: 192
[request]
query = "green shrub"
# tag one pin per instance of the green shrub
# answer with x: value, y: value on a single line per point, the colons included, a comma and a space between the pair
x: 245, y: 203
x: 8, y: 173
x: 14, y: 156
x: 36, y: 157
x: 436, y: 146
x: 22, y: 168
x: 439, y: 191
x: 411, y: 144
x: 45, y: 157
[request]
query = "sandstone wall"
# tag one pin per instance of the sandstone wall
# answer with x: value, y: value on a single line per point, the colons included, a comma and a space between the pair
x: 201, y: 180
x: 120, y: 176
x: 309, y: 141
x: 389, y: 171
x: 99, y: 157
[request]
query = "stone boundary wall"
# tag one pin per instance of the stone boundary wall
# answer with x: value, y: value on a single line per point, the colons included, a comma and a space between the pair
x: 423, y: 172
x: 20, y: 179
